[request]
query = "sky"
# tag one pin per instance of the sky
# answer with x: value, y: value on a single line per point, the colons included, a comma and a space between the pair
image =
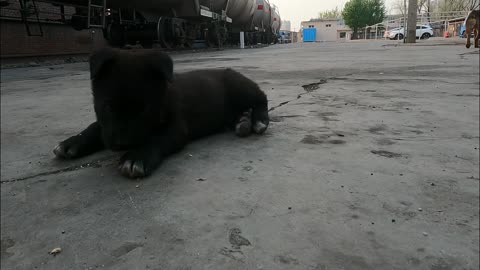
x: 297, y: 11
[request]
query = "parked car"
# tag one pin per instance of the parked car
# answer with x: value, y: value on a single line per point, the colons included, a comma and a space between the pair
x: 388, y: 33
x: 423, y: 32
x: 285, y: 37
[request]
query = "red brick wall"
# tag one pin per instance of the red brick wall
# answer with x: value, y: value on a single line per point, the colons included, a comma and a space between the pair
x: 47, y: 11
x: 57, y: 39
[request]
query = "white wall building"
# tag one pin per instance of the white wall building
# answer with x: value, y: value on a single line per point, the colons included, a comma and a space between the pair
x: 329, y: 29
x: 286, y: 26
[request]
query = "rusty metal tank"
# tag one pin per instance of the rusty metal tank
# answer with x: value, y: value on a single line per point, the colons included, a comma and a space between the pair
x: 262, y: 14
x: 241, y: 12
x: 276, y: 20
x: 213, y: 5
x: 181, y: 8
x: 148, y: 4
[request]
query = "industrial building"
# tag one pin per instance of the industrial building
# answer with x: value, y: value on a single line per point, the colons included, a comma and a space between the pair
x: 320, y: 30
x: 286, y: 26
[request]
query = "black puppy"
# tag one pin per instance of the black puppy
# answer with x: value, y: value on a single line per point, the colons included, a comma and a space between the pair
x: 140, y: 107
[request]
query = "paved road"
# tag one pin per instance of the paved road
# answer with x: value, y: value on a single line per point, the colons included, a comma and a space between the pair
x: 373, y: 165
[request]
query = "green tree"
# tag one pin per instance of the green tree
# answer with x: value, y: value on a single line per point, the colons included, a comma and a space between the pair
x: 360, y: 13
x: 330, y: 14
x: 438, y: 5
x: 458, y: 5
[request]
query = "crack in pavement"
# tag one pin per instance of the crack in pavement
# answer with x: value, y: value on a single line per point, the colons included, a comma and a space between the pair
x: 91, y: 164
x: 394, y: 80
x: 314, y: 86
x: 308, y: 89
x: 286, y: 102
x: 472, y: 52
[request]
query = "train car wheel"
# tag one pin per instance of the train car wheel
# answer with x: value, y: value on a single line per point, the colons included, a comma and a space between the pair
x: 115, y: 35
x: 165, y: 33
x: 189, y: 43
x: 217, y: 35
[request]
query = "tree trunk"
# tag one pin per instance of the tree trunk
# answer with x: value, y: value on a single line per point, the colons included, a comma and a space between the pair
x: 354, y: 35
x: 428, y: 11
x: 412, y: 21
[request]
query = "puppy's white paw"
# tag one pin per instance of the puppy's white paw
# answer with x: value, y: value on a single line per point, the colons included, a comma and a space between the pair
x: 259, y: 127
x: 243, y: 129
x: 132, y: 169
x: 67, y: 149
x: 244, y: 126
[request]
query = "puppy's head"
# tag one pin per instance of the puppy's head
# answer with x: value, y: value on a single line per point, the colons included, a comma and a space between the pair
x: 129, y: 90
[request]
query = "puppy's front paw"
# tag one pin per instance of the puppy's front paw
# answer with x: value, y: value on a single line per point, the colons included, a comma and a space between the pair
x: 68, y: 149
x: 134, y: 164
x: 132, y: 168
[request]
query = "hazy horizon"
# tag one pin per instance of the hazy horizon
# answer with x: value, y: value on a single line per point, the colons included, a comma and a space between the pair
x: 304, y: 10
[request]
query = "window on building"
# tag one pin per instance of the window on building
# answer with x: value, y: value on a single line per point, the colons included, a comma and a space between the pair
x: 329, y: 25
x: 311, y: 26
x: 343, y: 34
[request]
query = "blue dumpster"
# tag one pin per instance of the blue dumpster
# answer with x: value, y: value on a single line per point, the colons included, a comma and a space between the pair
x: 309, y: 34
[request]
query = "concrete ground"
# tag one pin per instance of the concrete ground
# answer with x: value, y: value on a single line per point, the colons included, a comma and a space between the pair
x: 373, y: 165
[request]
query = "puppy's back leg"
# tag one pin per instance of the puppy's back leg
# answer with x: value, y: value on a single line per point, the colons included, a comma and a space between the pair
x: 477, y: 37
x: 245, y: 95
x: 244, y: 126
x: 260, y: 118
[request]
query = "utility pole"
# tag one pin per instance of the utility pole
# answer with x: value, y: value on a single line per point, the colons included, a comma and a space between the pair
x: 404, y: 21
x: 412, y: 21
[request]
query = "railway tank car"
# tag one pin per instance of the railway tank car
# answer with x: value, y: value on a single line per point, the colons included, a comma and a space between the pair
x: 276, y: 20
x: 241, y: 12
x: 179, y: 23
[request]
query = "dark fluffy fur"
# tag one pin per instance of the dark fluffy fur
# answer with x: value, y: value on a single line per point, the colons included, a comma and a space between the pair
x: 143, y: 108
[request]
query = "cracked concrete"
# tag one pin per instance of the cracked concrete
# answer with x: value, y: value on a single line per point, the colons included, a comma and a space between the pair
x: 91, y: 164
x: 375, y: 169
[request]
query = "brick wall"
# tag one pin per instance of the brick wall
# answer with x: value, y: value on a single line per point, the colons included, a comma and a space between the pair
x: 57, y: 39
x: 47, y: 12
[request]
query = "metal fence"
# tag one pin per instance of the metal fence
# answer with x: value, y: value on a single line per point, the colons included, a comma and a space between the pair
x: 440, y: 22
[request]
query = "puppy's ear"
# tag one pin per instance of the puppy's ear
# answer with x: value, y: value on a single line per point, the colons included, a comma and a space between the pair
x: 99, y: 60
x: 162, y: 65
